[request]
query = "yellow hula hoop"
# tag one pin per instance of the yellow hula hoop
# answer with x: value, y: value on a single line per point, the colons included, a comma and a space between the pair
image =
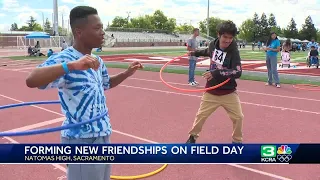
x: 141, y: 176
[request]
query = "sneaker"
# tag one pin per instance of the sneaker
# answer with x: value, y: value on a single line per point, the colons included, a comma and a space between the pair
x: 268, y: 84
x: 191, y: 140
x: 196, y: 82
x: 278, y: 85
x: 192, y: 83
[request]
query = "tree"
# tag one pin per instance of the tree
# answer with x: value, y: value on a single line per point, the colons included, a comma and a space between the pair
x: 159, y: 19
x: 291, y: 31
x: 170, y: 25
x: 119, y: 22
x: 247, y: 30
x: 308, y: 30
x: 186, y: 28
x: 47, y: 26
x: 273, y: 25
x: 156, y: 21
x: 32, y: 25
x: 14, y: 27
x: 318, y: 35
x: 143, y: 22
x: 162, y: 22
x: 213, y: 23
x: 272, y: 20
x: 257, y: 28
x: 265, y: 29
x: 62, y: 31
x: 37, y: 27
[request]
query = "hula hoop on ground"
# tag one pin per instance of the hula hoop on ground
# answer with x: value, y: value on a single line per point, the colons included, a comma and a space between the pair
x: 140, y: 176
x: 48, y: 130
x: 303, y: 87
x: 188, y: 90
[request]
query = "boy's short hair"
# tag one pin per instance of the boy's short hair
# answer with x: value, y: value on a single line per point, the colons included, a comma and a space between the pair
x: 80, y: 13
x: 227, y: 27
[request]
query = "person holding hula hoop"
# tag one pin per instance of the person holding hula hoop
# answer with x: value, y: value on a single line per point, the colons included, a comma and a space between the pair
x: 225, y: 63
x: 81, y: 79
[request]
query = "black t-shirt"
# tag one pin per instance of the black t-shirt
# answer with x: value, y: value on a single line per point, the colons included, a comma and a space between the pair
x: 314, y: 53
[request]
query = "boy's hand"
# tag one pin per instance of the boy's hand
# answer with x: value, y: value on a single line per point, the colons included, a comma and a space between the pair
x: 133, y: 68
x: 207, y: 75
x: 84, y: 63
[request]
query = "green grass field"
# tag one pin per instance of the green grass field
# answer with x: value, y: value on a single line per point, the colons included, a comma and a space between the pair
x: 199, y: 73
x: 261, y: 55
x: 246, y: 54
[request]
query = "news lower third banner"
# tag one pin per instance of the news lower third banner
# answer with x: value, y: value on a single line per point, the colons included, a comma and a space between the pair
x: 160, y: 153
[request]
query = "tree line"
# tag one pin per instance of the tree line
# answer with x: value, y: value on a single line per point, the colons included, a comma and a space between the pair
x: 257, y: 28
x: 251, y: 30
x: 33, y: 25
x: 156, y: 21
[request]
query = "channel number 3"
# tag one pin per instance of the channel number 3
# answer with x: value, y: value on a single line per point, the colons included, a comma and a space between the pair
x: 268, y: 151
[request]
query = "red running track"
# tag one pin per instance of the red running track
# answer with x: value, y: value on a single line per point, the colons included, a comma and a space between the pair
x: 143, y: 110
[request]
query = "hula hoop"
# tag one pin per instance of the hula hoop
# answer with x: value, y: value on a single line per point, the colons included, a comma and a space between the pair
x: 48, y: 130
x: 140, y: 176
x: 302, y: 87
x: 188, y: 90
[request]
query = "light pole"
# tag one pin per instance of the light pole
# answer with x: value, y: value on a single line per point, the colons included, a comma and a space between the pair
x: 55, y: 17
x: 208, y: 19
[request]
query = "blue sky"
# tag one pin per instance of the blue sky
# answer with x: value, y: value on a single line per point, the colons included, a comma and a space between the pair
x: 185, y: 11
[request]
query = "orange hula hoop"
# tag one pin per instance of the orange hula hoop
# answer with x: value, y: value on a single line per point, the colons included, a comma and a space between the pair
x: 188, y: 90
x: 303, y: 87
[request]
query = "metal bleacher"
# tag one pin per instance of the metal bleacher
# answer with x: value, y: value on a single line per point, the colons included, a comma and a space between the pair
x: 148, y: 37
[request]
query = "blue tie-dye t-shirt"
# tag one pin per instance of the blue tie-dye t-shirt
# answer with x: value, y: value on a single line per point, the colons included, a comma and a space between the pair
x: 82, y: 96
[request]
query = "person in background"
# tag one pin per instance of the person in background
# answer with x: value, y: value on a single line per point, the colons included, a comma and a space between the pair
x: 272, y: 48
x: 286, y: 47
x: 37, y: 46
x: 192, y: 46
x: 285, y: 52
x: 50, y: 52
x: 64, y: 45
x: 259, y: 45
x: 312, y: 43
x: 313, y: 56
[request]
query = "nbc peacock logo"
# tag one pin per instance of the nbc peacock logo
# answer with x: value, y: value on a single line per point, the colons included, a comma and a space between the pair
x: 284, y: 153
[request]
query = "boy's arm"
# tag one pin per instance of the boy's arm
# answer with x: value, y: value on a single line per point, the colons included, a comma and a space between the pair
x: 234, y: 72
x: 204, y: 52
x: 113, y: 81
x: 47, y: 75
x: 50, y: 74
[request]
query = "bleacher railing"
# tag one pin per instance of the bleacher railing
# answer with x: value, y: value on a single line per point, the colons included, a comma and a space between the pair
x: 20, y: 42
x: 145, y: 40
x: 136, y: 30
